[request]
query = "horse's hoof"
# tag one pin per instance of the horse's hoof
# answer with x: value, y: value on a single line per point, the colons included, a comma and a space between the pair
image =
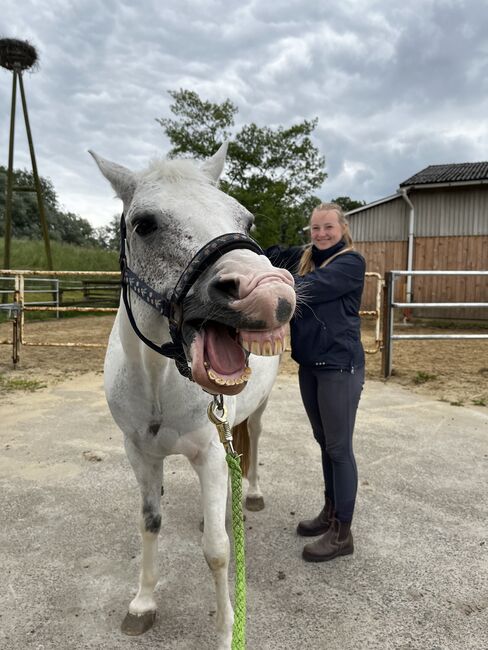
x: 133, y: 625
x: 254, y: 503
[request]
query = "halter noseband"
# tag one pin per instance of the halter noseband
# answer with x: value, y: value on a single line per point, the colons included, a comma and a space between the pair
x: 204, y: 258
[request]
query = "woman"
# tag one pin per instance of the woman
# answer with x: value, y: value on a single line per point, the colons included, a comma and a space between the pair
x: 326, y: 343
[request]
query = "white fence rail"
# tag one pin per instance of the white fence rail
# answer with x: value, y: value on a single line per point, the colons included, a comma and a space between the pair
x: 390, y: 305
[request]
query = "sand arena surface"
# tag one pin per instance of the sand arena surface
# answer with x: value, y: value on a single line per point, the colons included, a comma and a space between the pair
x: 451, y: 371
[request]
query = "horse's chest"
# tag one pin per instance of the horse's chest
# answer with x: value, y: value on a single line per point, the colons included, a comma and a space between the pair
x: 162, y: 417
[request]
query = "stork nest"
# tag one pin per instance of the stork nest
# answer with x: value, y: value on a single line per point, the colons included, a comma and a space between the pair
x: 17, y: 55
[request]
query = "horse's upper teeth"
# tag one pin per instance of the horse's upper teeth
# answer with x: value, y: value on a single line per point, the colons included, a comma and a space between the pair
x: 245, y: 345
x: 255, y: 347
x: 265, y: 343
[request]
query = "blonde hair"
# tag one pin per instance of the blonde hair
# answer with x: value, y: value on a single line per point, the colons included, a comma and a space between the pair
x: 306, y: 262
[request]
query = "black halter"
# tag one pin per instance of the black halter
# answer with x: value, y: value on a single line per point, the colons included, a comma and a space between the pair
x: 171, y: 308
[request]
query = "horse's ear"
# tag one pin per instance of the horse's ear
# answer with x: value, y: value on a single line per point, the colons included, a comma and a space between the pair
x: 121, y: 179
x: 214, y: 166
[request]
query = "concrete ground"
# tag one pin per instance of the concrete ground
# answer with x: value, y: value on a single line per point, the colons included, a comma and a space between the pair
x: 69, y: 542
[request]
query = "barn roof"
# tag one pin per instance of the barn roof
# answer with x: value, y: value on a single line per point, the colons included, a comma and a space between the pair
x: 451, y: 173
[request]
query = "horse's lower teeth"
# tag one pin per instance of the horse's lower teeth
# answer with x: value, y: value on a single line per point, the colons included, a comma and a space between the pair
x: 221, y: 381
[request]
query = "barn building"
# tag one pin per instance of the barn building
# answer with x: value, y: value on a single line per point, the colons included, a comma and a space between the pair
x: 436, y: 220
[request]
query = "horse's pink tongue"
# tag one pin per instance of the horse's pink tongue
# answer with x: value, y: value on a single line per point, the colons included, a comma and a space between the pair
x: 224, y: 354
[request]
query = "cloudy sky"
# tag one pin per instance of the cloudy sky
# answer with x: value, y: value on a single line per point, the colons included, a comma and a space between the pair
x: 396, y: 85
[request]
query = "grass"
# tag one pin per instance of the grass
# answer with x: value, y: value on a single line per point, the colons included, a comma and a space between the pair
x: 479, y: 402
x: 9, y: 384
x: 29, y: 254
x: 422, y: 377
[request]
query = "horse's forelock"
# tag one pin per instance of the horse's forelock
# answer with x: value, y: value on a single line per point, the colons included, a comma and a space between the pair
x: 174, y: 171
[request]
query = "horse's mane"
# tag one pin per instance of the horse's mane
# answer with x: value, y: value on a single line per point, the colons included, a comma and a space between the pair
x: 174, y: 171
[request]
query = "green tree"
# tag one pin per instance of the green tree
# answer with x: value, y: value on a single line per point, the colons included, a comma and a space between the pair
x: 271, y: 171
x: 348, y: 204
x: 199, y: 125
x: 109, y: 236
x: 63, y: 226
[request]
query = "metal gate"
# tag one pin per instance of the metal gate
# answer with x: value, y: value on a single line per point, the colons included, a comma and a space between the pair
x: 390, y: 305
x: 20, y: 306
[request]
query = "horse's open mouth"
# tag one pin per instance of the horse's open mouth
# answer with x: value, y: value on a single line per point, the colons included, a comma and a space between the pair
x: 219, y: 354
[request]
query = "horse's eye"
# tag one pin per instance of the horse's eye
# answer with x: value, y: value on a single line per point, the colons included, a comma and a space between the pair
x: 249, y: 225
x: 145, y: 225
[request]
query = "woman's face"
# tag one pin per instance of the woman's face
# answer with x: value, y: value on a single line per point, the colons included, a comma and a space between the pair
x: 325, y: 229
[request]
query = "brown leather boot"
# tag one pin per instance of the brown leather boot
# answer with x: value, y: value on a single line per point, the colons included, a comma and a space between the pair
x: 336, y: 541
x: 319, y: 524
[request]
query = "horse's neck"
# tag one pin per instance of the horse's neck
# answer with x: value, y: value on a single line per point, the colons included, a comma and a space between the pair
x: 135, y: 349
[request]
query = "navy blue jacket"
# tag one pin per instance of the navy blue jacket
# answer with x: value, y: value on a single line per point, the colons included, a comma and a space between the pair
x: 325, y: 329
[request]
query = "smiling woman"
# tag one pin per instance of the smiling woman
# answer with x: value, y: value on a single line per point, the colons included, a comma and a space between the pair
x: 326, y: 343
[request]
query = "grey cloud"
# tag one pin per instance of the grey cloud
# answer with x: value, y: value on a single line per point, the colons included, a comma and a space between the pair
x: 396, y: 85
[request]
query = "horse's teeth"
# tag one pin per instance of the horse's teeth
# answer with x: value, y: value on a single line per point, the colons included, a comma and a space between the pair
x: 267, y: 349
x: 217, y: 379
x: 245, y: 345
x: 278, y: 348
x: 286, y: 343
x: 255, y: 347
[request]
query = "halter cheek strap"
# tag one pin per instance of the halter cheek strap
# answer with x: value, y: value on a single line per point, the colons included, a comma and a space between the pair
x: 203, y: 259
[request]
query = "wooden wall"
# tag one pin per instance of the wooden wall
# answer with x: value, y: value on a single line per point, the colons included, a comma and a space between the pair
x: 433, y: 253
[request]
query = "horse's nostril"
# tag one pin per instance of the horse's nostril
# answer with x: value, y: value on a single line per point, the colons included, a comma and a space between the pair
x: 283, y: 310
x: 228, y: 288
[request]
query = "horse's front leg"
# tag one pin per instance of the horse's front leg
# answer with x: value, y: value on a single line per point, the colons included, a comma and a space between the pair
x: 211, y: 468
x: 142, y: 609
x: 254, y: 498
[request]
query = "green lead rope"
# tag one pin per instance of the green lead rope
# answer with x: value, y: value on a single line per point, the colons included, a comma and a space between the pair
x: 225, y: 435
x: 239, y: 629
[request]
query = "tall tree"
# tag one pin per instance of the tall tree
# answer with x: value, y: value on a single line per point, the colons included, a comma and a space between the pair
x: 199, y: 125
x: 271, y: 171
x: 348, y: 204
x: 63, y: 226
x: 109, y: 236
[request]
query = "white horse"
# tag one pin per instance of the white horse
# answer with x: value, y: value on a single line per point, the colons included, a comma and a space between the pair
x: 238, y: 304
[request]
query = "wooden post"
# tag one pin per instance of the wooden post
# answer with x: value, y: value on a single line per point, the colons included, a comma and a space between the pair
x: 10, y: 178
x: 37, y: 182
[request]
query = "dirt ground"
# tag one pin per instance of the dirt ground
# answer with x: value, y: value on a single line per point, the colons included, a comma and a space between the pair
x: 449, y: 370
